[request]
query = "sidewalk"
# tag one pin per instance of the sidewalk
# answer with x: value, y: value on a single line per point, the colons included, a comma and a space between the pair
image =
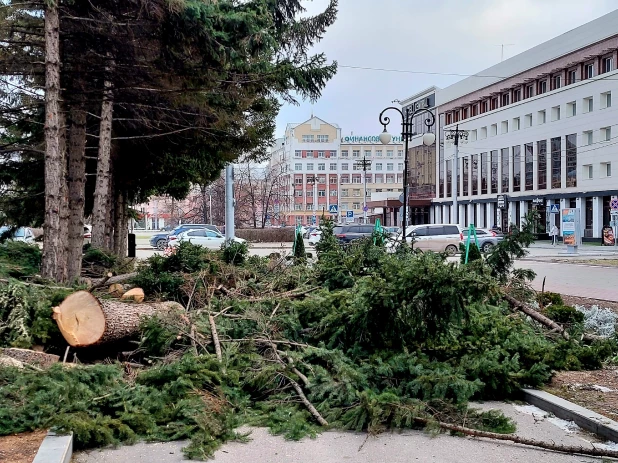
x: 545, y: 249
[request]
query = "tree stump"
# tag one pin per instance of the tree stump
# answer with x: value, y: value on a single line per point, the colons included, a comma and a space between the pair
x: 86, y: 321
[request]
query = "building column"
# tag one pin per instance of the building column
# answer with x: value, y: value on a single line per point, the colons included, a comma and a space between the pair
x: 490, y: 215
x: 582, y: 216
x: 511, y: 170
x: 597, y: 216
x: 511, y: 210
x: 563, y: 205
x: 479, y: 217
x: 523, y: 210
x: 535, y: 167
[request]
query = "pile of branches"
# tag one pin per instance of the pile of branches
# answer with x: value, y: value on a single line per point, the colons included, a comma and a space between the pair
x: 361, y: 339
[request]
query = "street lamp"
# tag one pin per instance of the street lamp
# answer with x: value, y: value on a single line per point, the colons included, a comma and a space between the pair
x: 407, y: 133
x: 313, y: 180
x: 364, y: 164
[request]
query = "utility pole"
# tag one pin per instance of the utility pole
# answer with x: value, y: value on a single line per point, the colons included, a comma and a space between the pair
x: 229, y: 203
x: 364, y: 164
x: 455, y: 213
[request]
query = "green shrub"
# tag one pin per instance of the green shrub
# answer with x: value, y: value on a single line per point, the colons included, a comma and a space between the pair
x: 545, y: 299
x: 565, y: 315
x: 18, y: 259
x: 235, y: 253
x: 474, y: 253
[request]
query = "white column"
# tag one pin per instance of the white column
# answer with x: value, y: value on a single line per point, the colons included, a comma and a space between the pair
x: 490, y: 215
x: 511, y: 211
x: 471, y: 209
x: 563, y: 205
x: 479, y: 217
x: 581, y: 205
x: 523, y: 210
x: 597, y: 216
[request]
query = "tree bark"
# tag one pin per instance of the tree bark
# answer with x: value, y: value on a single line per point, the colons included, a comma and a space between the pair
x: 86, y: 321
x: 76, y: 184
x: 118, y: 219
x: 539, y: 317
x: 124, y: 227
x: 31, y: 357
x: 53, y: 264
x: 101, y: 192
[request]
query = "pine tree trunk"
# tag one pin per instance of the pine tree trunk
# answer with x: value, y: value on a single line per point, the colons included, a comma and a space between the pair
x: 101, y: 192
x: 110, y: 216
x: 120, y: 229
x: 62, y: 272
x: 124, y: 228
x: 86, y: 321
x: 53, y: 243
x: 76, y: 185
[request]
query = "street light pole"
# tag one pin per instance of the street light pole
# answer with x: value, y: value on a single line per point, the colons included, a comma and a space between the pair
x: 406, y: 133
x: 364, y: 164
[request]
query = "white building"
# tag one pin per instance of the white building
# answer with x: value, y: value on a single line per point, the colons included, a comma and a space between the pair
x: 323, y: 170
x: 542, y: 131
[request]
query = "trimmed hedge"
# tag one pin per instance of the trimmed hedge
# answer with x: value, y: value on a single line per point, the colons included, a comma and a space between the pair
x: 266, y: 235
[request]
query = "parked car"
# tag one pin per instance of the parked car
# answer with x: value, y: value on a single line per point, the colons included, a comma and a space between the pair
x: 347, y: 233
x: 487, y: 238
x: 87, y: 234
x: 160, y: 240
x: 23, y: 234
x: 308, y: 230
x: 392, y: 232
x: 436, y: 237
x: 202, y: 237
x: 314, y: 237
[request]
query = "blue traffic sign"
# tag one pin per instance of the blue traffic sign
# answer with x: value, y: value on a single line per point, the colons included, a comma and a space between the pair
x: 554, y: 209
x: 349, y: 214
x: 333, y: 209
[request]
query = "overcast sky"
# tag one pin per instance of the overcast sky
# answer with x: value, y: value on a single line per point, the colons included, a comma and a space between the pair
x: 439, y: 36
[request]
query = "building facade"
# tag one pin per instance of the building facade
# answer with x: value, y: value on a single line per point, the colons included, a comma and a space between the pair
x: 323, y: 169
x: 542, y: 131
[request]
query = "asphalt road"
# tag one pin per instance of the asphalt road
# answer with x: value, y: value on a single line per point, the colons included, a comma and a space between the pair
x: 338, y: 447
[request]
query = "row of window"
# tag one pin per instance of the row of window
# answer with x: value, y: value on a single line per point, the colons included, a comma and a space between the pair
x: 605, y: 170
x: 345, y: 154
x: 314, y: 139
x: 541, y: 117
x: 356, y: 179
x: 333, y: 166
x: 322, y: 193
x: 576, y: 73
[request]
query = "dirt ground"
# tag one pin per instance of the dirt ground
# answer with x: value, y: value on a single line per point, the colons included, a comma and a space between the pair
x: 588, y: 302
x: 21, y: 448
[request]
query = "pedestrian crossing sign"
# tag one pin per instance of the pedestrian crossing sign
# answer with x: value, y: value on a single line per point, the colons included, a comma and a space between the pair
x: 333, y: 209
x: 554, y: 209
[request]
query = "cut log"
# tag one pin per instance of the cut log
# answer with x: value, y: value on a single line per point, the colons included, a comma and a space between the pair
x: 539, y: 317
x: 10, y: 362
x: 116, y: 289
x: 86, y: 321
x: 100, y: 282
x: 135, y: 294
x: 31, y: 357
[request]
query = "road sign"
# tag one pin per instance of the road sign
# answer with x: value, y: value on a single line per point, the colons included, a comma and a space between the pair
x: 314, y: 219
x: 333, y: 209
x: 365, y: 208
x: 614, y: 203
x: 554, y: 209
x: 349, y: 216
x: 501, y: 201
x: 401, y: 198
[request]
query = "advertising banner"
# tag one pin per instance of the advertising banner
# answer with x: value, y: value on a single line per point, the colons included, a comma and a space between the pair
x: 608, y: 236
x: 570, y: 227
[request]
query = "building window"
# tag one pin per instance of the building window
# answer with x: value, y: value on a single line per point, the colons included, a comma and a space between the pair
x: 572, y: 77
x: 356, y: 206
x: 298, y: 153
x: 541, y: 117
x: 298, y: 181
x: 309, y: 194
x: 310, y: 166
x: 504, y: 127
x: 344, y: 153
x: 321, y: 193
x: 356, y: 193
x: 321, y: 166
x: 516, y: 168
x: 529, y: 91
x: 320, y: 154
x: 475, y: 110
x: 556, y: 162
x: 356, y: 153
x: 541, y: 148
x: 505, y: 99
x: 606, y: 169
x: 484, y: 173
x: 571, y: 109
x: 528, y: 167
x: 310, y: 206
x: 333, y: 180
x: 483, y: 133
x: 494, y: 103
x: 473, y: 135
x: 333, y: 154
x: 379, y: 153
x: 555, y: 113
x: 449, y: 118
x: 475, y: 174
x: 449, y: 178
x: 309, y: 154
x: 298, y: 167
x: 367, y: 153
x: 322, y: 138
x: 389, y: 166
x: 389, y: 153
x: 307, y: 138
x: 516, y: 123
x: 606, y: 134
x: 378, y: 166
x: 332, y: 166
x: 345, y: 193
x: 527, y: 121
x: 607, y: 64
x: 494, y: 171
x: 542, y: 87
x: 494, y: 130
x: 588, y: 171
x: 390, y: 179
x: 588, y: 71
x: 399, y: 153
x: 298, y: 193
x: 400, y: 166
x: 345, y: 166
x: 333, y: 192
x: 516, y: 95
x: 587, y: 137
x: 298, y: 207
x: 484, y: 106
x: 588, y: 104
x: 557, y: 81
x: 606, y: 100
x: 466, y: 173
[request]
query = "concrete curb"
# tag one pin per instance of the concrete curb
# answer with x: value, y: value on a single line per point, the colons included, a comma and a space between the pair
x: 55, y: 449
x: 584, y: 418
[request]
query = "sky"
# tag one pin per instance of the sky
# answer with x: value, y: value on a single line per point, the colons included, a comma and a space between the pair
x: 435, y: 36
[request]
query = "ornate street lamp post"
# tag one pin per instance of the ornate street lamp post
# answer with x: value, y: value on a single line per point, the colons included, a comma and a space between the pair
x: 407, y: 133
x: 364, y: 164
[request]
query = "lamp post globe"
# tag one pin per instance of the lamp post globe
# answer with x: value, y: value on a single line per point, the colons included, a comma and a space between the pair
x: 385, y: 137
x: 429, y: 139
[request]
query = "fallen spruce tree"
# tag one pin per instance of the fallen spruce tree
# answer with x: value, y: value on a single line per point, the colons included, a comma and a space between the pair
x: 360, y: 339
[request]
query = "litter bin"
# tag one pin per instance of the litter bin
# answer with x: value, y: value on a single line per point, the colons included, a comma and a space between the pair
x: 131, y: 251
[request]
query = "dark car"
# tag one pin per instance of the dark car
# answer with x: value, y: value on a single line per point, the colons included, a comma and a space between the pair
x: 160, y: 240
x: 347, y: 233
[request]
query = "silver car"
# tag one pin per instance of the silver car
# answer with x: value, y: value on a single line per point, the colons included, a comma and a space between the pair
x: 487, y: 238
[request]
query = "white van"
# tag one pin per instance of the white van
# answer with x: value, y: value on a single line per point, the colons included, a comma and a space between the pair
x: 436, y: 237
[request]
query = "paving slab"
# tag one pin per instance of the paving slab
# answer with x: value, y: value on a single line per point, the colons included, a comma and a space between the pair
x: 398, y: 447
